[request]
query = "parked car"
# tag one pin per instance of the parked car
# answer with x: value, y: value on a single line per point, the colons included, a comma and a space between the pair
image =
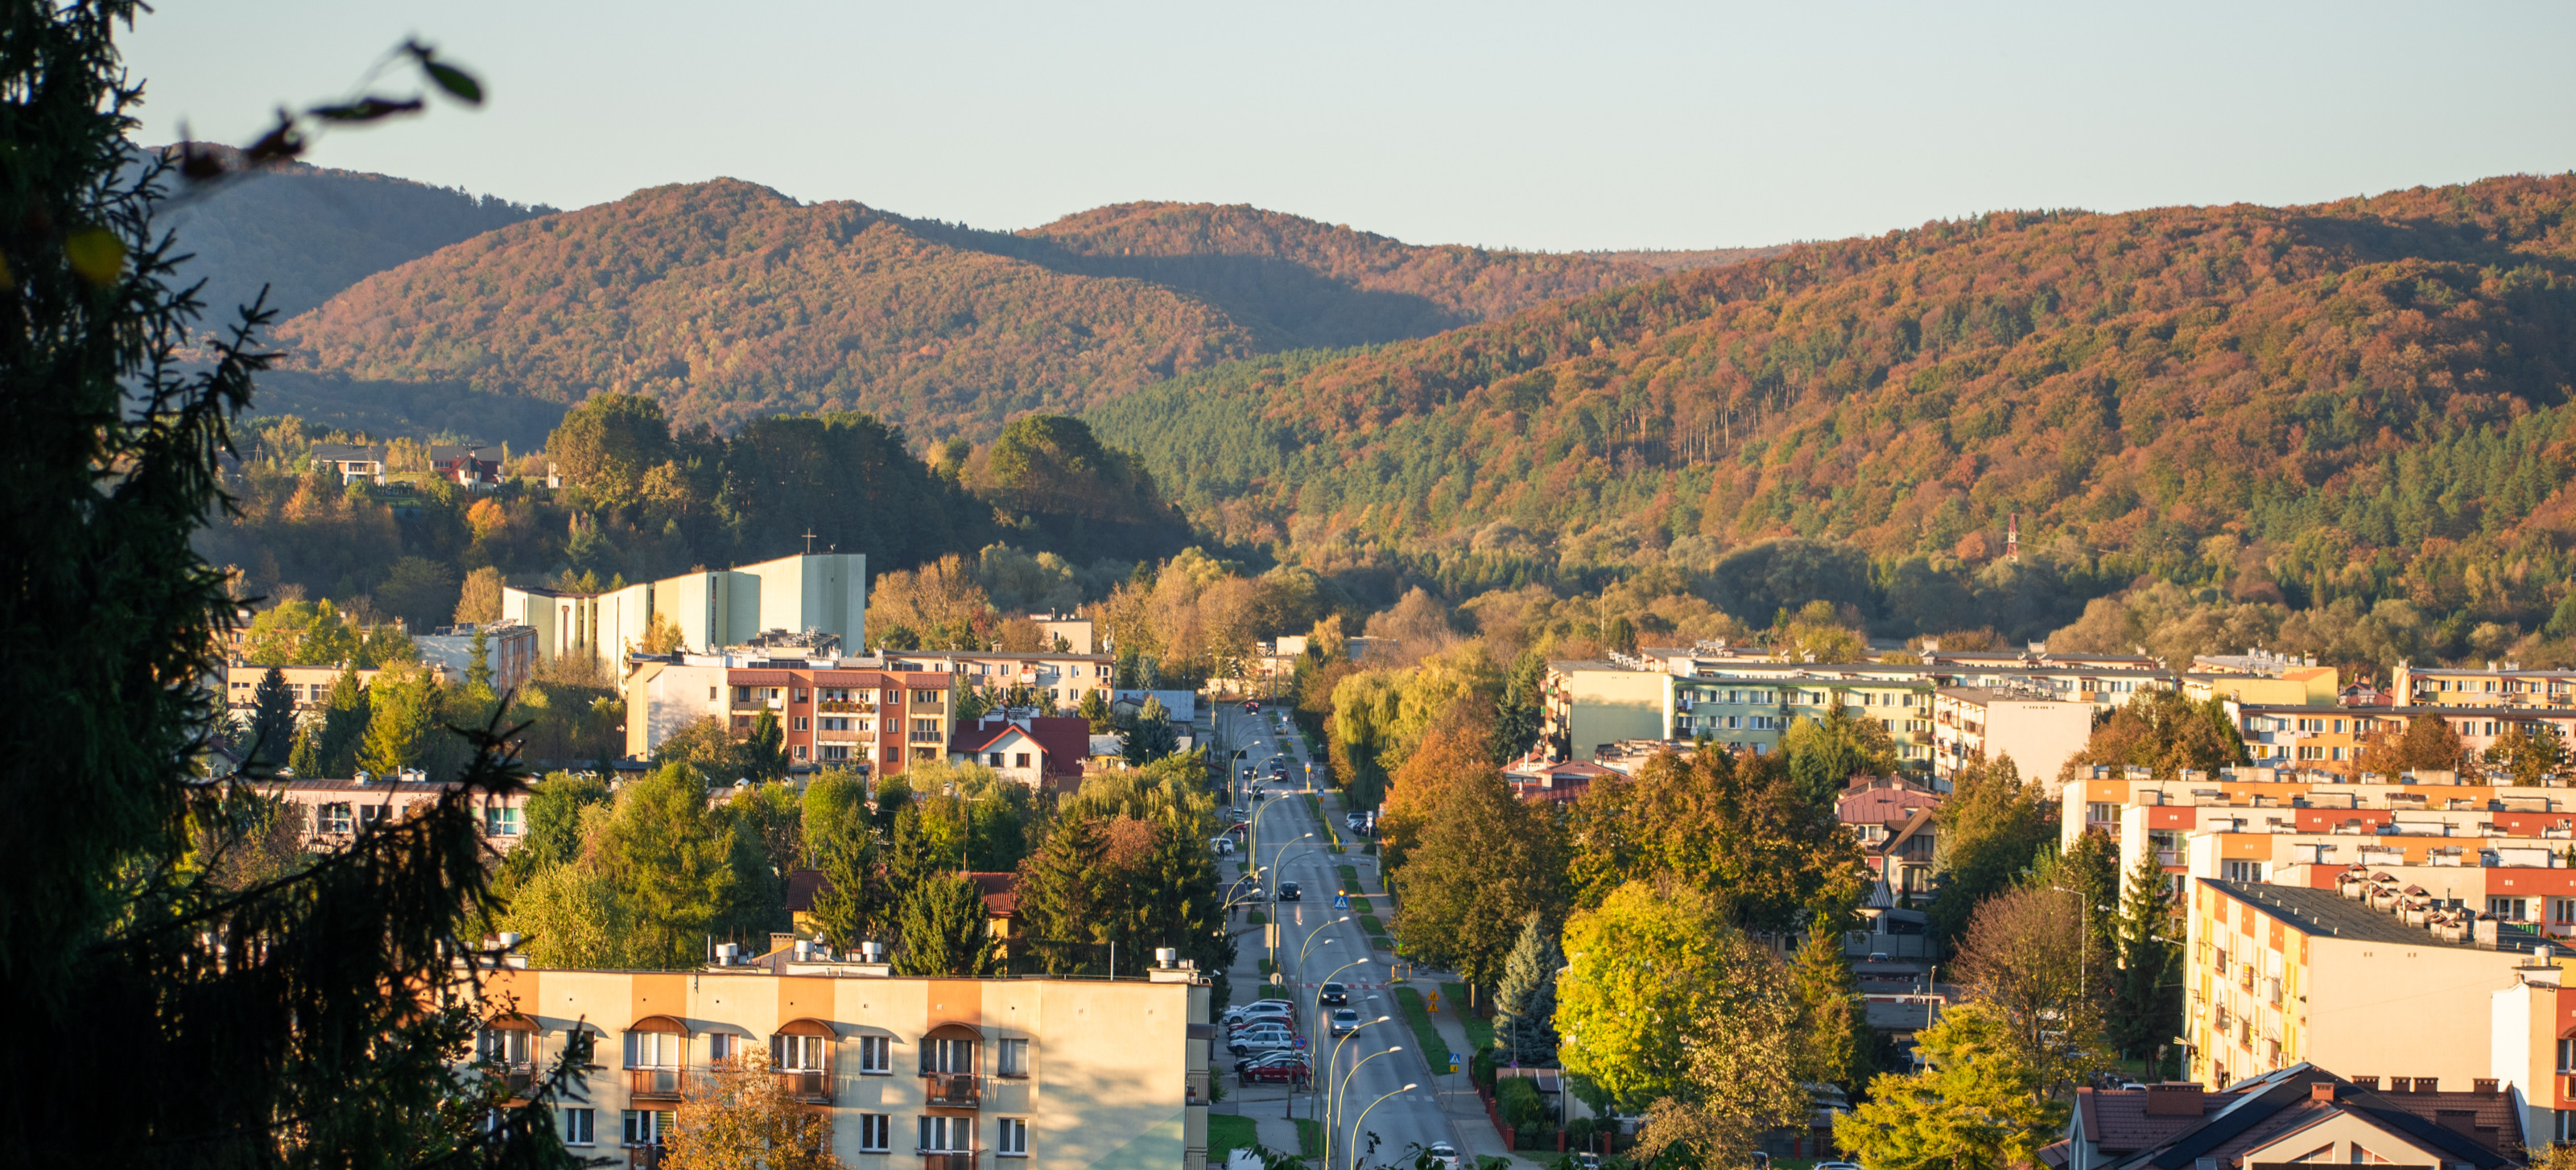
x: 1282, y: 1017
x: 1265, y: 1042
x: 1288, y: 1071
x: 1251, y: 1062
x: 1259, y: 1007
x: 1333, y: 995
x: 1221, y: 846
x: 1261, y: 1023
x: 1345, y: 1021
x: 1288, y: 891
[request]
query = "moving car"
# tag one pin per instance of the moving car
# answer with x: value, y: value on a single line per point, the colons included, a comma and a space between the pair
x: 1345, y: 1021
x: 1333, y: 995
x: 1288, y: 891
x: 1443, y: 1155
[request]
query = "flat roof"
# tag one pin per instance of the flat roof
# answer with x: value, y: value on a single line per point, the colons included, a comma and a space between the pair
x: 2328, y: 913
x: 1990, y: 695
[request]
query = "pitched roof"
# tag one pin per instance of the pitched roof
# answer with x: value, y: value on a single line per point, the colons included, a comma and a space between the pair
x: 1000, y: 891
x: 2476, y: 1129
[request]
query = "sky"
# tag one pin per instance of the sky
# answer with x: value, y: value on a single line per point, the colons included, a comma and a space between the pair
x: 1558, y: 127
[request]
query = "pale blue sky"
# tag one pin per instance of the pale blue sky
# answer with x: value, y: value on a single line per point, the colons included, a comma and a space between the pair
x: 1536, y: 126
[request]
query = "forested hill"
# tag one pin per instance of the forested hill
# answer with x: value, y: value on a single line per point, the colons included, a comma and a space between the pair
x: 308, y: 232
x: 2363, y: 398
x: 728, y: 301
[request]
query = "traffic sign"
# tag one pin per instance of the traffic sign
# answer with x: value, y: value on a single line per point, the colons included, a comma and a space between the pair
x: 1341, y: 901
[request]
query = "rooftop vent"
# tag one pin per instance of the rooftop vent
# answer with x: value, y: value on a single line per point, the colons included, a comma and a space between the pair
x: 872, y: 952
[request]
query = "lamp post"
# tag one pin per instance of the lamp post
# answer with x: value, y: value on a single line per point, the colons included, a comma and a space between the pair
x: 1363, y: 1119
x: 1335, y: 1086
x: 1276, y: 855
x: 1320, y: 1029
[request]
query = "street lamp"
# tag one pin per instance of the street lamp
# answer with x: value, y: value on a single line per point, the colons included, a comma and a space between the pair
x: 1355, y: 1126
x: 1318, y: 1005
x: 1332, y: 1088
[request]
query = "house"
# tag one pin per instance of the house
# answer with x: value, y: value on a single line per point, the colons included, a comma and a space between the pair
x: 351, y: 462
x: 1893, y: 819
x: 1030, y: 1071
x: 2299, y: 1115
x: 478, y: 468
x: 1041, y: 751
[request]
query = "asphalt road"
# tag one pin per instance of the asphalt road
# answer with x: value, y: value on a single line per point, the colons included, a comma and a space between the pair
x: 1289, y: 838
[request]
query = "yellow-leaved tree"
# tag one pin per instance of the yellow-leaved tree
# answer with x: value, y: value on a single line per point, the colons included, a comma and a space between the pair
x: 738, y: 1115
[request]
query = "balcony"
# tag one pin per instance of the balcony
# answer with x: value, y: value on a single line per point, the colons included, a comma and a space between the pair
x: 521, y: 1078
x: 952, y: 1090
x: 655, y: 1084
x: 643, y: 1158
x: 947, y: 1160
x: 812, y: 1086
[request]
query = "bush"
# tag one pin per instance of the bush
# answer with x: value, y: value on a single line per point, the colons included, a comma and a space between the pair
x: 1517, y: 1100
x: 1480, y: 1068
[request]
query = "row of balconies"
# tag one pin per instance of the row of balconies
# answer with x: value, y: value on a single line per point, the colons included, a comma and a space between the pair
x: 650, y: 1158
x: 812, y: 1086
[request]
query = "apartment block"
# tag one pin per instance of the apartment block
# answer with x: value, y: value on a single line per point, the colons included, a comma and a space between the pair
x: 1059, y: 679
x: 965, y: 1074
x: 509, y: 650
x: 2260, y: 677
x: 330, y: 813
x: 310, y: 686
x: 1590, y: 703
x: 2495, y: 685
x: 836, y: 713
x: 2034, y: 729
x: 2365, y: 977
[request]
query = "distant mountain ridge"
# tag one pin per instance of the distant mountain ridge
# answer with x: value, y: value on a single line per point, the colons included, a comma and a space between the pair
x: 728, y: 301
x: 2367, y: 399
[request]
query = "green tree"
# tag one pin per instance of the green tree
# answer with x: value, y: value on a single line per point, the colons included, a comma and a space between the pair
x: 1978, y: 1107
x: 703, y: 744
x: 765, y: 753
x: 894, y: 794
x: 1525, y: 1000
x: 2429, y: 743
x: 2528, y: 753
x: 2091, y: 869
x: 2146, y: 1009
x: 940, y: 930
x: 1053, y: 464
x: 1990, y: 829
x: 478, y: 673
x: 310, y: 1020
x: 1824, y: 754
x: 1153, y: 736
x: 1830, y: 1017
x: 835, y: 810
x: 853, y: 903
x: 420, y: 591
x: 2163, y: 731
x: 272, y: 720
x: 306, y: 757
x: 1736, y: 828
x: 673, y: 863
x: 606, y: 445
x: 1517, y: 720
x: 576, y: 917
x: 1651, y: 972
x: 479, y: 598
x: 556, y: 811
x: 1485, y: 861
x: 1065, y: 894
x: 344, y: 725
x: 400, y: 707
x: 1095, y: 708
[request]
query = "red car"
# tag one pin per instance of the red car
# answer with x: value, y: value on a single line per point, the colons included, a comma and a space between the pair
x: 1285, y: 1072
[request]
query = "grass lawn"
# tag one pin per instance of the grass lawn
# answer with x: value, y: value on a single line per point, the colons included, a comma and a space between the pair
x: 1435, y: 1051
x: 1480, y: 1033
x: 1310, y: 1134
x: 1350, y: 876
x: 1361, y: 907
x: 1228, y: 1132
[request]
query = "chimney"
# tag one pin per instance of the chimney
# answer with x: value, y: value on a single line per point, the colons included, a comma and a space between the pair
x: 2174, y: 1099
x: 2366, y: 1084
x: 2321, y: 1091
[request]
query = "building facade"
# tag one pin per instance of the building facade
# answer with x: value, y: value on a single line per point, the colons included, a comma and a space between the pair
x: 969, y: 1074
x: 1049, y: 678
x: 2039, y: 733
x: 834, y: 715
x: 825, y: 593
x: 330, y: 813
x: 509, y: 650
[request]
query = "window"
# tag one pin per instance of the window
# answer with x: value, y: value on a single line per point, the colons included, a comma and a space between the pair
x: 835, y: 724
x: 2509, y: 909
x: 722, y: 1046
x: 577, y: 1127
x: 925, y: 729
x: 2101, y: 812
x: 1014, y: 1059
x: 800, y: 751
x: 993, y: 759
x: 1011, y: 1137
x: 926, y: 696
x: 942, y: 1134
x: 1020, y: 760
x: 2244, y: 871
x: 335, y: 818
x: 836, y: 751
x: 798, y: 1053
x: 652, y: 1050
x: 2567, y: 1055
x: 876, y: 1054
x: 742, y: 694
x: 804, y: 723
x: 2562, y: 911
x: 506, y: 1046
x: 874, y: 1133
x: 948, y: 1056
x: 800, y: 694
x: 893, y: 696
x: 646, y: 1127
x: 501, y: 822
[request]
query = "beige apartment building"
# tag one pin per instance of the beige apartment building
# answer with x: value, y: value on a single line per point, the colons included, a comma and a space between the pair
x: 1059, y: 679
x: 964, y: 1074
x: 1590, y: 703
x: 2495, y: 685
x: 329, y: 813
x: 2037, y: 731
x: 2366, y: 978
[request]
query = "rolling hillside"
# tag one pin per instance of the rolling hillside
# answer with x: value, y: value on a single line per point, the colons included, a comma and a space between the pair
x: 728, y: 301
x: 2366, y: 398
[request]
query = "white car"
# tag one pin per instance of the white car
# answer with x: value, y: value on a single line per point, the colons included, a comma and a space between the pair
x: 1263, y: 1042
x: 1443, y: 1155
